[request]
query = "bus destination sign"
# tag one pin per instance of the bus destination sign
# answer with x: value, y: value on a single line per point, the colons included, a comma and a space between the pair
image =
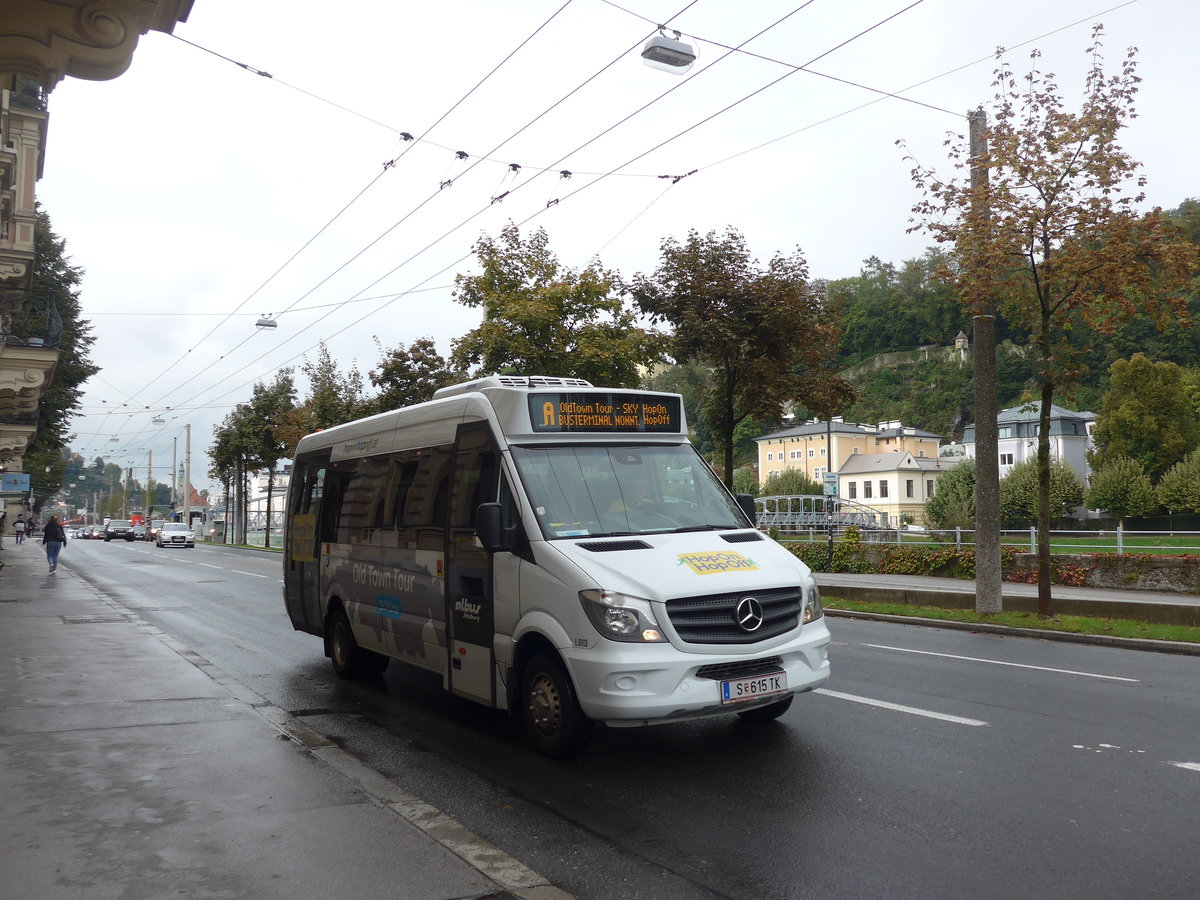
x: 567, y: 412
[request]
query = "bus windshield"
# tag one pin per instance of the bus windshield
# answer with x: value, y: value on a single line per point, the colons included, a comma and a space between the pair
x: 597, y: 491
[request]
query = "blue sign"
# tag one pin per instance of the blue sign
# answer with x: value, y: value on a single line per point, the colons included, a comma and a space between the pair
x: 14, y: 482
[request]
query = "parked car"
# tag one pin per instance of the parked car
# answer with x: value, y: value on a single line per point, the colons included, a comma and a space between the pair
x: 118, y: 528
x: 175, y: 534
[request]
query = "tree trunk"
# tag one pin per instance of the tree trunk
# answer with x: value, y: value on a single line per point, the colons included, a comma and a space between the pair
x: 729, y: 427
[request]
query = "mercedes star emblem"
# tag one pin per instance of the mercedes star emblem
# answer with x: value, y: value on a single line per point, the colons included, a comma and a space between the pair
x: 749, y: 614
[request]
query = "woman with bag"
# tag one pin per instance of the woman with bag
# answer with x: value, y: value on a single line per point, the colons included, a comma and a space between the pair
x: 53, y: 537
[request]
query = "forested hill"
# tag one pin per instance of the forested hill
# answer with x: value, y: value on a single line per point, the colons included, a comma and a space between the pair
x: 899, y: 325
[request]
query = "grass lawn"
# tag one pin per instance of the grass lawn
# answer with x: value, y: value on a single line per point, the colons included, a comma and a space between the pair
x: 1077, y: 624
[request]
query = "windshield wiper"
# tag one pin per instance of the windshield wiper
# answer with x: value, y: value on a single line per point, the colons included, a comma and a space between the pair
x: 703, y: 528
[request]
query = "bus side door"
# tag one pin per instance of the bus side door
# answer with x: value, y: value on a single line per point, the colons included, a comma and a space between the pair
x: 301, y: 573
x: 469, y: 611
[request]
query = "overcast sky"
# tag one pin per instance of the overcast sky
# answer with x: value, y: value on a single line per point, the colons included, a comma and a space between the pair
x: 188, y: 188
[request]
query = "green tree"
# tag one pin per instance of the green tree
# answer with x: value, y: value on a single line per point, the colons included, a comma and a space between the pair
x: 333, y: 398
x: 56, y: 285
x: 789, y: 482
x: 691, y: 380
x: 953, y: 502
x: 1121, y: 489
x: 407, y: 375
x: 267, y: 414
x: 761, y: 332
x: 231, y: 456
x: 1054, y: 232
x: 542, y: 318
x: 1146, y: 415
x: 1179, y: 490
x: 745, y: 482
x: 1020, y: 493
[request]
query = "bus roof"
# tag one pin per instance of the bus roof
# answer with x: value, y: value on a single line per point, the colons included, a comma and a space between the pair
x: 523, y: 408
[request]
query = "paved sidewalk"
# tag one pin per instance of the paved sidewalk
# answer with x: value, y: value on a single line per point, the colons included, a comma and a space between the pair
x: 131, y: 768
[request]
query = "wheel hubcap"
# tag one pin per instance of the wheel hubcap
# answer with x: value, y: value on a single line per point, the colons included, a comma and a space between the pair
x: 545, y: 705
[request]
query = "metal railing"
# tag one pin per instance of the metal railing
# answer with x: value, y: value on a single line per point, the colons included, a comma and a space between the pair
x: 30, y: 319
x: 1118, y: 540
x: 806, y: 512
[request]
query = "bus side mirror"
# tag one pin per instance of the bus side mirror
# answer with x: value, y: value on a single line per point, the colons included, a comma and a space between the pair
x: 489, y: 527
x: 746, y: 502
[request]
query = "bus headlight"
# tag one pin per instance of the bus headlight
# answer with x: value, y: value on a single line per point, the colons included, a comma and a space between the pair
x: 812, y: 603
x: 620, y: 617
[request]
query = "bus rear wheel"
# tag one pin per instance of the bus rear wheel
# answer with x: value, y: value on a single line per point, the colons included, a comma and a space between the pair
x: 553, y: 719
x: 349, y: 659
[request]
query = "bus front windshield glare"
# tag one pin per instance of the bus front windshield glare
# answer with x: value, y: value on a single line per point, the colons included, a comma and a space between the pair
x: 592, y: 491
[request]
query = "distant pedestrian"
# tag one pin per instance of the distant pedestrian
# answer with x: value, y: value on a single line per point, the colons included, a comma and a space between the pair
x: 19, y: 529
x: 53, y: 537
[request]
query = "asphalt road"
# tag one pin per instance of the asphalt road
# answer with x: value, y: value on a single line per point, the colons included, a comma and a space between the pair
x: 936, y: 763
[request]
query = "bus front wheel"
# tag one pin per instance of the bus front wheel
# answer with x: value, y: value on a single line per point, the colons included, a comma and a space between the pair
x: 552, y: 716
x: 349, y: 659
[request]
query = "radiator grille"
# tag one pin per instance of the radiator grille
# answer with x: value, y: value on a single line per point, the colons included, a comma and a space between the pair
x: 712, y: 619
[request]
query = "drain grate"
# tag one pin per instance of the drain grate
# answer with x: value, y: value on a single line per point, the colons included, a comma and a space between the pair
x: 94, y: 620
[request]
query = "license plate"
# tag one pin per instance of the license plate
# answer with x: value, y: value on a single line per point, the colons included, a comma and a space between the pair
x: 744, y: 689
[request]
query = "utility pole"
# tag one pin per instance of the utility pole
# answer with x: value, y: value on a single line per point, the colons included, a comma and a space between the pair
x: 828, y: 496
x: 187, y: 475
x: 988, y: 596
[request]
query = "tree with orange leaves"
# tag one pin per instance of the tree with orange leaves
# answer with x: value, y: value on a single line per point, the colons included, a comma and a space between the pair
x: 1054, y: 233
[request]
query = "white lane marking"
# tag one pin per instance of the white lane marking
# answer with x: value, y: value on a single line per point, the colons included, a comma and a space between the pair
x: 1193, y: 767
x: 883, y: 704
x: 255, y: 574
x: 211, y: 566
x: 999, y: 662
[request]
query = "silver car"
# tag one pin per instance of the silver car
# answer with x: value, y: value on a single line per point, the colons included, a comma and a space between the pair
x: 175, y: 534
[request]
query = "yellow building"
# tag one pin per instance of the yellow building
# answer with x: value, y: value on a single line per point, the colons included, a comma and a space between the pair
x: 817, y: 447
x: 896, y: 484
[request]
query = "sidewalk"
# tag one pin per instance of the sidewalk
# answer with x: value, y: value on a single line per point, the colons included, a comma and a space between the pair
x: 132, y: 768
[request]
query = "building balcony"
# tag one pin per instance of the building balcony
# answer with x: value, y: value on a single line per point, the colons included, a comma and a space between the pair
x: 29, y: 319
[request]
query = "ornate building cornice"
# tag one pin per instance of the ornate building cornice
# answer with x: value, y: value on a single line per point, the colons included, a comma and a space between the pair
x: 22, y: 381
x: 48, y: 40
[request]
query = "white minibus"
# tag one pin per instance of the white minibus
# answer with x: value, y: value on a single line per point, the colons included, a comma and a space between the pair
x: 549, y: 548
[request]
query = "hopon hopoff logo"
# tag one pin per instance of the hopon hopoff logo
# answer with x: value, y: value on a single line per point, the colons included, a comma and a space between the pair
x: 716, y: 562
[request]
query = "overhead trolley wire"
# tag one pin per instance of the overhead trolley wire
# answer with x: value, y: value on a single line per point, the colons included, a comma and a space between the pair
x: 418, y: 287
x: 584, y: 187
x: 390, y: 164
x: 562, y: 99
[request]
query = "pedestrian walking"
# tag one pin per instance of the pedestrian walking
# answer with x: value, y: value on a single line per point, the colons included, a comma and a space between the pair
x: 53, y: 537
x: 19, y: 527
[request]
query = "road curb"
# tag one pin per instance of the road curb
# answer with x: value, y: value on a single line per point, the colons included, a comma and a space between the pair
x: 1182, y: 648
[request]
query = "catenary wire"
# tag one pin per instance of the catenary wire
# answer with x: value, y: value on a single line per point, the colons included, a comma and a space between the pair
x: 926, y: 81
x: 589, y: 184
x: 438, y: 192
x: 373, y: 181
